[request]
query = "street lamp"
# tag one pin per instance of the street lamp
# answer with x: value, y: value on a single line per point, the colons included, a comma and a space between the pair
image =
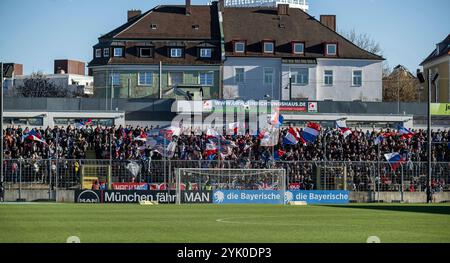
x: 429, y: 159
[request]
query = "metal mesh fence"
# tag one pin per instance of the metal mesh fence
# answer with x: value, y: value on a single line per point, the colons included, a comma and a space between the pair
x: 305, y: 175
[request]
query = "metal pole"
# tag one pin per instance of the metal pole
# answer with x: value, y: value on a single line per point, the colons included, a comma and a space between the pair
x: 401, y: 188
x: 112, y: 90
x: 429, y: 143
x: 160, y: 79
x: 1, y: 121
x: 290, y: 86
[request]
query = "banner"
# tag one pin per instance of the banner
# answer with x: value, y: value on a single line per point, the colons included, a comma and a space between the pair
x: 318, y: 197
x: 130, y: 186
x: 136, y: 196
x: 440, y: 109
x: 247, y: 197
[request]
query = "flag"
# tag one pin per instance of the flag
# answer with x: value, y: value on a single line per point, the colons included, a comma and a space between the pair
x: 142, y: 137
x: 211, y: 133
x: 268, y: 138
x: 292, y: 137
x: 233, y: 127
x: 405, y: 133
x: 33, y: 136
x: 310, y: 133
x: 276, y: 120
x: 278, y: 154
x: 342, y: 126
x: 81, y: 124
x: 379, y: 139
x: 211, y: 149
x: 394, y: 159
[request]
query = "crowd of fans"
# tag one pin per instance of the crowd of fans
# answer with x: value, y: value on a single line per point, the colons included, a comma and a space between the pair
x: 73, y: 143
x: 243, y: 151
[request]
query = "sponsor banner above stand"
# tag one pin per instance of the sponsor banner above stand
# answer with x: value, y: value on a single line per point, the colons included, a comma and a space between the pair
x: 318, y: 197
x: 136, y: 196
x: 130, y: 186
x: 248, y: 197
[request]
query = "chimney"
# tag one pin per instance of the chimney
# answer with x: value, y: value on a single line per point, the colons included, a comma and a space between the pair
x: 133, y: 13
x: 188, y: 7
x: 329, y: 21
x: 283, y: 9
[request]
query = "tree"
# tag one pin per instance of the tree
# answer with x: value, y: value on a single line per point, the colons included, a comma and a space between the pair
x: 401, y: 85
x: 37, y: 85
x: 367, y: 43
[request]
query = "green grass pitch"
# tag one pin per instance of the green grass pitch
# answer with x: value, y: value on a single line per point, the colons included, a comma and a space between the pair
x: 224, y: 223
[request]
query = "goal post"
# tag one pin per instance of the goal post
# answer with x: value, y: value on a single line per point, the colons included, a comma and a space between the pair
x: 231, y: 180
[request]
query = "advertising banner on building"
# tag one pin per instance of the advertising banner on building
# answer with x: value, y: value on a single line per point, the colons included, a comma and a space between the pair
x: 136, y: 196
x: 318, y: 197
x: 250, y: 106
x: 440, y: 109
x: 247, y: 197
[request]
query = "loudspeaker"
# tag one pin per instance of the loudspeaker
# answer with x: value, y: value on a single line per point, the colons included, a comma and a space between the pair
x: 420, y: 76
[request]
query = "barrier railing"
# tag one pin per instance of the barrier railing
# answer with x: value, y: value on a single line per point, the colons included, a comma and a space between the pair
x: 308, y: 175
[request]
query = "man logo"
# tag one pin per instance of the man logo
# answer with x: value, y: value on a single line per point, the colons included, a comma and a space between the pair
x: 288, y: 196
x: 219, y: 197
x: 88, y: 196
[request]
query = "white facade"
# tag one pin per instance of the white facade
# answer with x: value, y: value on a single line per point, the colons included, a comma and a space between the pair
x: 343, y: 86
x: 313, y: 88
x: 301, y: 4
x: 72, y: 82
x: 259, y: 78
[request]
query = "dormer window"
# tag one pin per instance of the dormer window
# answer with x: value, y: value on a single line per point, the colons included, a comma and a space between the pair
x: 106, y: 52
x: 268, y: 47
x: 331, y: 49
x: 239, y: 47
x: 176, y: 52
x: 145, y: 52
x: 154, y: 26
x: 205, y: 52
x: 98, y: 53
x: 118, y: 52
x: 298, y: 48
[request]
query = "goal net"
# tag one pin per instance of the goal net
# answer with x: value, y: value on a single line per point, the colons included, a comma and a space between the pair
x: 237, y: 181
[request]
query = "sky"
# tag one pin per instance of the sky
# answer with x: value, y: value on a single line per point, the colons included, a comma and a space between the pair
x: 36, y: 32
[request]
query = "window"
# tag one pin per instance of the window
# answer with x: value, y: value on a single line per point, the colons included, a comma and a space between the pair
x: 176, y: 52
x: 145, y: 79
x: 357, y: 78
x: 205, y: 52
x: 269, y: 47
x: 300, y: 76
x: 154, y: 26
x: 299, y: 48
x: 175, y: 78
x: 118, y: 52
x: 106, y: 52
x: 145, y: 52
x: 239, y: 74
x: 206, y: 78
x: 268, y: 76
x: 331, y: 49
x: 239, y: 47
x: 328, y: 77
x: 98, y: 53
x: 115, y: 78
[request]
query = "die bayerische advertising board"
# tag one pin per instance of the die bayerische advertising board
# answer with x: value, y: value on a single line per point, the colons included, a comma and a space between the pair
x: 277, y: 197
